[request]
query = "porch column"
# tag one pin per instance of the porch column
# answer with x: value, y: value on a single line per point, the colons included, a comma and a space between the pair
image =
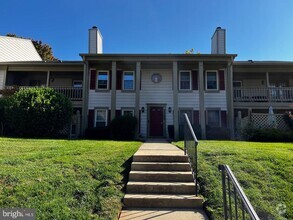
x: 48, y: 79
x: 113, y: 91
x: 229, y: 92
x: 137, y: 89
x: 201, y: 100
x: 175, y: 100
x: 268, y: 79
x: 137, y: 95
x: 85, y: 96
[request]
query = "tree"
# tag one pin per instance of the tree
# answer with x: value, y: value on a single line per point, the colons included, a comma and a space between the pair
x: 44, y: 50
x: 191, y: 51
x: 37, y: 112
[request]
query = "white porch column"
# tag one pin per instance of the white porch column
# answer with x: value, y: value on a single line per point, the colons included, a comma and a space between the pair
x: 175, y: 100
x: 230, y: 94
x: 85, y: 96
x: 48, y: 78
x: 202, y: 115
x: 113, y: 91
x: 137, y: 89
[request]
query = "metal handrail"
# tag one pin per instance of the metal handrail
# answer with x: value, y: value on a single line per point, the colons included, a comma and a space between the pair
x: 228, y: 175
x: 190, y: 145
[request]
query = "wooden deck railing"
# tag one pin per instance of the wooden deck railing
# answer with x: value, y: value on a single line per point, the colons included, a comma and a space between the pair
x: 274, y: 94
x: 73, y: 93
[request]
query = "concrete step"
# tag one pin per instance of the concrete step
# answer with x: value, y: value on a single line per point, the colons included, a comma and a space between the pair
x: 161, y: 176
x: 162, y: 201
x: 160, y: 187
x: 160, y: 166
x: 160, y: 158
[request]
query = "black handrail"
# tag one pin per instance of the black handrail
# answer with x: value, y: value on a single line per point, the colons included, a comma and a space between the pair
x: 245, y: 206
x: 190, y: 148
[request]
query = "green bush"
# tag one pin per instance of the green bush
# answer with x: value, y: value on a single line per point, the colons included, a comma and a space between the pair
x: 251, y: 133
x: 217, y: 133
x: 288, y: 117
x: 38, y: 112
x: 123, y: 128
x: 102, y: 133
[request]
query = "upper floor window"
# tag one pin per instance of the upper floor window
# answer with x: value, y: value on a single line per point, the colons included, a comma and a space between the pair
x: 212, y: 80
x: 184, y: 80
x: 103, y: 80
x: 128, y: 80
x: 101, y: 116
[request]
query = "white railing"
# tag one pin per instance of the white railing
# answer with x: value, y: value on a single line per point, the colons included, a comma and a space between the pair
x: 273, y: 94
x: 73, y: 93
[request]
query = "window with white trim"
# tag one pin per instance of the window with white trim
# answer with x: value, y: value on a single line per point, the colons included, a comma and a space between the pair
x: 128, y: 80
x: 213, y: 118
x: 103, y: 80
x: 185, y: 80
x: 101, y: 117
x: 212, y: 81
x: 128, y: 112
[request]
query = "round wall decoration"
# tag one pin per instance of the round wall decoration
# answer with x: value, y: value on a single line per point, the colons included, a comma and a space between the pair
x: 156, y: 78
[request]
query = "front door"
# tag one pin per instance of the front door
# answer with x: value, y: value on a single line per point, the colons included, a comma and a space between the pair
x: 156, y: 121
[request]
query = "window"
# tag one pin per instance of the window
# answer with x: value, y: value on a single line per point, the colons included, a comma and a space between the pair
x: 128, y: 112
x: 185, y: 80
x: 103, y: 80
x: 101, y: 117
x: 77, y: 83
x: 182, y: 117
x: 212, y: 80
x: 128, y: 80
x: 213, y: 118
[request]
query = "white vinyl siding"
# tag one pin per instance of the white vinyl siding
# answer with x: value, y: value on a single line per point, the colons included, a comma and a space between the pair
x: 97, y: 99
x: 128, y: 80
x: 188, y: 100
x: 216, y: 100
x: 156, y: 93
x: 125, y: 99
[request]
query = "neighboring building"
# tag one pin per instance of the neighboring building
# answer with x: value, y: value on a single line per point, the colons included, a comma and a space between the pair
x: 158, y: 88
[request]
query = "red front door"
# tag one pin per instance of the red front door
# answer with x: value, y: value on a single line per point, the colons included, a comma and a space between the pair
x: 156, y: 121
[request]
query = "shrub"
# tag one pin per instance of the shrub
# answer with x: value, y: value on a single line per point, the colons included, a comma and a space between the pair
x: 123, y: 128
x: 217, y: 133
x: 288, y: 117
x: 251, y: 133
x: 102, y: 133
x: 38, y: 112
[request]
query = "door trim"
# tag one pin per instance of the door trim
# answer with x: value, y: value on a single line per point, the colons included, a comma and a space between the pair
x: 164, y: 118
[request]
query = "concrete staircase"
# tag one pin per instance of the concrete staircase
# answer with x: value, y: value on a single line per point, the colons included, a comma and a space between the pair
x: 161, y: 181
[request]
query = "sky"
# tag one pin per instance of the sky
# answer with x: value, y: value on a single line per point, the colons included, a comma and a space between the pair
x: 255, y: 29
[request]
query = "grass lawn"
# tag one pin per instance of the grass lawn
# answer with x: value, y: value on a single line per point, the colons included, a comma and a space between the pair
x: 63, y: 179
x: 264, y: 170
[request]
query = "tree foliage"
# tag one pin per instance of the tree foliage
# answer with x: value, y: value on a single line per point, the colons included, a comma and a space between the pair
x: 44, y: 50
x: 37, y: 112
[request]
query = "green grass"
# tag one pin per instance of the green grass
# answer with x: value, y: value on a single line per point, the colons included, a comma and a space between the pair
x: 264, y: 170
x: 64, y: 179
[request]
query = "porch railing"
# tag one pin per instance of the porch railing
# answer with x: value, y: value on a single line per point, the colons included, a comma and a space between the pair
x: 237, y: 205
x: 73, y: 93
x: 272, y: 94
x: 190, y: 149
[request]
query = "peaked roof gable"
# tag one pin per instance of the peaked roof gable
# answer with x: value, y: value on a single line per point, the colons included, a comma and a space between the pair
x: 14, y: 49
